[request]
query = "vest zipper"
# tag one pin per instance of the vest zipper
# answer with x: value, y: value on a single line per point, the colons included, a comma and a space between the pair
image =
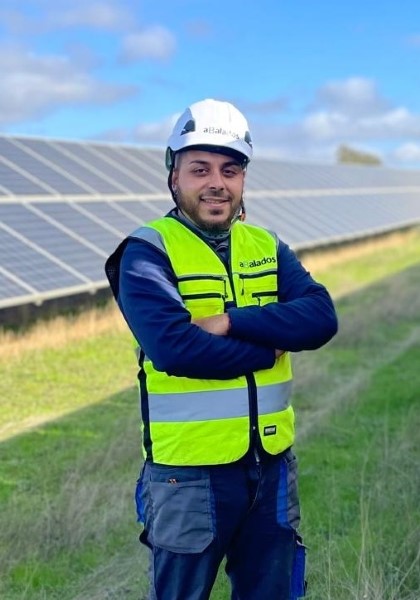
x: 254, y: 436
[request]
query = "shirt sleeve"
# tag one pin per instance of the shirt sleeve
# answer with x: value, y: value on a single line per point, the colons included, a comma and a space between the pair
x: 151, y: 305
x: 304, y: 317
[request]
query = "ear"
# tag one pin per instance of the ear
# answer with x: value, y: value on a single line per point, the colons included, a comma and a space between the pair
x: 174, y: 178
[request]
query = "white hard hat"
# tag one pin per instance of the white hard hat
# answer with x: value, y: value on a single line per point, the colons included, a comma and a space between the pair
x: 214, y: 126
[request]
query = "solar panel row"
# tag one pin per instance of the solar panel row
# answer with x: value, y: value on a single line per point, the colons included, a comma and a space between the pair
x: 30, y: 166
x: 46, y: 246
x: 65, y: 205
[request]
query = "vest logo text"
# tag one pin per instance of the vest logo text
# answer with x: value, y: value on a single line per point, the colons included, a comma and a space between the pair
x: 257, y: 263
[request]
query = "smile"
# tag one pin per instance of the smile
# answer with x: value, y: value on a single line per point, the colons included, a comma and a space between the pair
x: 214, y: 200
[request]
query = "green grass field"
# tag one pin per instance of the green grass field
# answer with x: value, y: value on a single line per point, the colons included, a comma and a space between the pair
x: 69, y: 451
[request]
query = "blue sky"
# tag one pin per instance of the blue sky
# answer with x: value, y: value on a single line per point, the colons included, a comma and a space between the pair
x: 309, y: 75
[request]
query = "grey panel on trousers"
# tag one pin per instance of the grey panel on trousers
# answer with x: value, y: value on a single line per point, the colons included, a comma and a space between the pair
x: 38, y: 168
x: 81, y: 224
x: 30, y: 266
x: 50, y: 238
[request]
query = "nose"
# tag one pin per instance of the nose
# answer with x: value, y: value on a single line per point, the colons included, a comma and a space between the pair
x: 216, y: 180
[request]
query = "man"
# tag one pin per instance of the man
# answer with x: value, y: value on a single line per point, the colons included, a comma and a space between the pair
x: 216, y: 307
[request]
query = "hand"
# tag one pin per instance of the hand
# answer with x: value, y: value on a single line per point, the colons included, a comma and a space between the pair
x: 279, y: 353
x: 217, y: 324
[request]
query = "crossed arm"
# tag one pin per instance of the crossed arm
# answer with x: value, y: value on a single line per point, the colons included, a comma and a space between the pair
x: 223, y: 346
x: 220, y: 325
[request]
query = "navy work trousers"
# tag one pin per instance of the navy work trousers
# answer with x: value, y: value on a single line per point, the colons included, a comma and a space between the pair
x: 246, y: 511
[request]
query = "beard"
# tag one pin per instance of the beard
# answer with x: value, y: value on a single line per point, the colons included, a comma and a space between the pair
x: 206, y: 223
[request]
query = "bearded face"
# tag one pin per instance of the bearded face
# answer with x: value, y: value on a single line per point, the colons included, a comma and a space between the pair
x: 208, y: 188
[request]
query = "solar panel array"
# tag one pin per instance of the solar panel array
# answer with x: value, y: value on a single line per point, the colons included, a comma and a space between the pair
x: 65, y: 205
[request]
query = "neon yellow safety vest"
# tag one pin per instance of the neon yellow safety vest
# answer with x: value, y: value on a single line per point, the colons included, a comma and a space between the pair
x: 209, y: 421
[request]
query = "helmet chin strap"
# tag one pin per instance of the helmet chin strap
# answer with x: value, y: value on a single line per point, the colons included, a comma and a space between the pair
x: 242, y: 210
x: 240, y: 213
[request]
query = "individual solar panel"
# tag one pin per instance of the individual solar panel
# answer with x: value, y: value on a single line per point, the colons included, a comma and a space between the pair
x: 18, y: 183
x: 70, y: 251
x: 8, y: 287
x: 146, y: 168
x: 154, y: 157
x: 144, y: 211
x: 323, y: 210
x: 35, y: 166
x: 163, y: 206
x: 139, y: 182
x: 112, y: 212
x: 89, y: 179
x: 121, y: 180
x: 82, y: 225
x: 32, y: 267
x: 287, y: 224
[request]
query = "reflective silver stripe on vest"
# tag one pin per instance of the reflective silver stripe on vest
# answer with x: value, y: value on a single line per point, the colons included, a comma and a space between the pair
x: 275, y: 397
x: 148, y: 234
x: 216, y: 404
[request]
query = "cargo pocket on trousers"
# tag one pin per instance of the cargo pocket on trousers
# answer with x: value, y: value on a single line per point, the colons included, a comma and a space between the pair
x: 288, y: 507
x: 298, y: 583
x: 182, y: 516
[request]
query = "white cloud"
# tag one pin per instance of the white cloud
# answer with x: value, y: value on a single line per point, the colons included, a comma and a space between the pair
x: 350, y: 112
x: 317, y: 135
x: 32, y: 85
x: 325, y: 125
x: 98, y: 15
x: 353, y: 96
x: 155, y: 42
x: 391, y: 124
x: 50, y: 16
x: 155, y: 133
x: 407, y: 153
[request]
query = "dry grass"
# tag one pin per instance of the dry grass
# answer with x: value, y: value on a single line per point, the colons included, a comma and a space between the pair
x: 60, y: 331
x: 323, y: 259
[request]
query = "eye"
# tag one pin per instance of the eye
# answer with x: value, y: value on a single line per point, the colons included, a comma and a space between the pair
x: 199, y: 170
x: 231, y: 171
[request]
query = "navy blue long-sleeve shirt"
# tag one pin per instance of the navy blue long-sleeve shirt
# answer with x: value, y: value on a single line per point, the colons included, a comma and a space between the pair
x: 304, y: 318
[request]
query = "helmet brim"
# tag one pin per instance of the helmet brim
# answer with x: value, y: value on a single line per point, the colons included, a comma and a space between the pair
x: 234, y: 154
